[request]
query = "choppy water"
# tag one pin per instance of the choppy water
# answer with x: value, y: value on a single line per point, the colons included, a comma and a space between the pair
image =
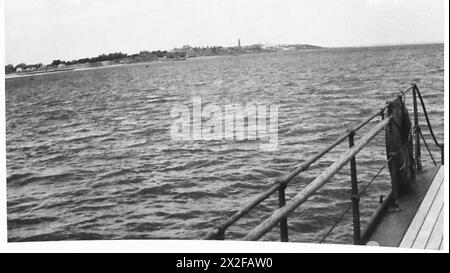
x: 89, y: 154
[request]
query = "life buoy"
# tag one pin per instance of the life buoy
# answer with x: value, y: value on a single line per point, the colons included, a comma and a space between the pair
x: 399, y: 148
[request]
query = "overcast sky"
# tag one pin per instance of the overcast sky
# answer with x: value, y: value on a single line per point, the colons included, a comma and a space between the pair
x: 44, y: 30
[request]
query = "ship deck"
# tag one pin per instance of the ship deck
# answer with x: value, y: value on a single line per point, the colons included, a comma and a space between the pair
x: 418, y: 221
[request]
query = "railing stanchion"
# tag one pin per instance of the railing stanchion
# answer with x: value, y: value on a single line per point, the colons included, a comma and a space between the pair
x: 221, y: 234
x: 283, y: 223
x: 416, y: 131
x: 442, y: 154
x: 355, y: 194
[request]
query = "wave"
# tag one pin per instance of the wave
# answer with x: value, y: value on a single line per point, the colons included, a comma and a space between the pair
x: 84, y: 137
x: 155, y: 190
x: 20, y: 222
x: 289, y: 84
x: 198, y: 195
x: 24, y: 179
x: 143, y: 227
x: 87, y: 208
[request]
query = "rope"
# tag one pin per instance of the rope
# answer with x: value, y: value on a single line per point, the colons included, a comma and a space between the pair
x: 336, y: 223
x: 373, y: 179
x: 426, y: 117
x: 426, y: 145
x: 350, y: 203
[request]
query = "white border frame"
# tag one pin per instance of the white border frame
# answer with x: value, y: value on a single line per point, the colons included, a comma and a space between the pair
x: 191, y: 246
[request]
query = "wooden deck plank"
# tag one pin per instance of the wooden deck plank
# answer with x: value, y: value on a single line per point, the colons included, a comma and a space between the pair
x: 430, y: 220
x: 437, y: 234
x: 419, y: 218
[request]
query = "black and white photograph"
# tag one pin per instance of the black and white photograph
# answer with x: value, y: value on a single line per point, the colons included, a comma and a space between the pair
x: 318, y: 123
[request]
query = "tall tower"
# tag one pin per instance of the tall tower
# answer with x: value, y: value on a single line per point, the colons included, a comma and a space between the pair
x: 239, y: 42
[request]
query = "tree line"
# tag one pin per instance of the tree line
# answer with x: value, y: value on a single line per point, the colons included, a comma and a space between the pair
x: 114, y: 57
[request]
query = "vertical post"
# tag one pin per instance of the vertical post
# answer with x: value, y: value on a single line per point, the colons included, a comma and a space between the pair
x: 442, y: 153
x: 355, y: 195
x: 283, y: 223
x: 416, y: 131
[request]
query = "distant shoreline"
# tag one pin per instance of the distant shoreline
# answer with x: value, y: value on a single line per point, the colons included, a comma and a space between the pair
x: 31, y: 74
x: 177, y: 54
x: 72, y: 69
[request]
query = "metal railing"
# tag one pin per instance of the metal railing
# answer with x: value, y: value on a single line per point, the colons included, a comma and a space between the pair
x: 280, y: 215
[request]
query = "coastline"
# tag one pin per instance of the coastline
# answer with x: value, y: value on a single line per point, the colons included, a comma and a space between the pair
x: 74, y: 69
x: 15, y: 75
x: 11, y: 76
x: 99, y: 65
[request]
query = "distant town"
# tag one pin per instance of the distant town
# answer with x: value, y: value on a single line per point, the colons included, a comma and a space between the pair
x: 176, y: 54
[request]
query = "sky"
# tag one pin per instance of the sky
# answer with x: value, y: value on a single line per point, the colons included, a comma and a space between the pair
x: 45, y: 30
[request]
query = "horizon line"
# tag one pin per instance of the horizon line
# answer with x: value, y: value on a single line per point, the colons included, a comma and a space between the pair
x: 390, y: 44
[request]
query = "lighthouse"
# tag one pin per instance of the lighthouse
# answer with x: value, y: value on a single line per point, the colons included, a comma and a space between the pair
x: 239, y: 42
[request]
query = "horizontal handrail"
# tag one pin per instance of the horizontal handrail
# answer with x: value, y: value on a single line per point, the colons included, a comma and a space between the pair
x: 317, y: 183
